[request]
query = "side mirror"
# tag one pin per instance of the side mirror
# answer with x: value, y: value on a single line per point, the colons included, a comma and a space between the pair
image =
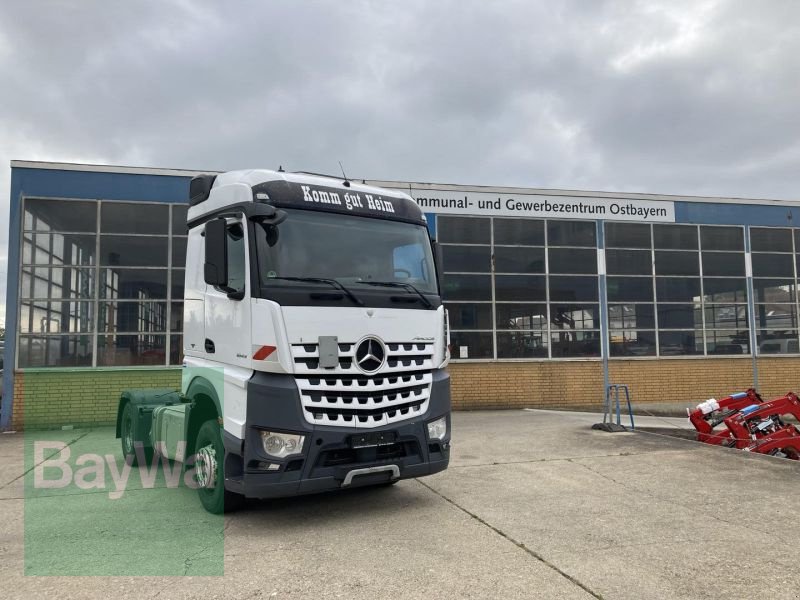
x: 215, y: 269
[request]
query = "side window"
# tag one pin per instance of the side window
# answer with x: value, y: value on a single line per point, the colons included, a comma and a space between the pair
x: 236, y: 257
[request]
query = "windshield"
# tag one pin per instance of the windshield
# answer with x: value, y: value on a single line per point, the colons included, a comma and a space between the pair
x: 354, y: 251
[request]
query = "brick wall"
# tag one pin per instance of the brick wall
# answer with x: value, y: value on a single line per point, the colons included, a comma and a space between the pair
x: 45, y: 399
x: 561, y: 384
x: 48, y: 399
x: 579, y: 384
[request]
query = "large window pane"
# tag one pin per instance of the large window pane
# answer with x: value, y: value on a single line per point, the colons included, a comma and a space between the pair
x: 770, y: 239
x: 469, y: 316
x: 526, y: 232
x: 178, y: 279
x: 525, y: 288
x: 572, y: 316
x: 726, y: 316
x: 774, y: 290
x: 60, y: 215
x: 629, y: 262
x: 521, y: 344
x: 627, y: 235
x: 773, y: 265
x: 179, y: 215
x: 131, y: 317
x: 178, y: 251
x: 565, y: 288
x: 677, y: 289
x: 464, y: 230
x: 723, y: 264
x: 471, y: 345
x: 129, y: 217
x: 176, y: 317
x: 176, y: 349
x: 56, y: 282
x: 55, y: 351
x: 776, y: 316
x: 518, y: 260
x: 133, y: 251
x: 521, y: 316
x: 135, y: 284
x: 56, y: 317
x: 724, y: 290
x: 777, y: 342
x: 465, y: 287
x: 675, y: 237
x: 677, y: 263
x: 722, y: 238
x: 632, y: 342
x: 679, y: 316
x: 575, y: 343
x: 571, y: 233
x: 629, y: 289
x: 131, y: 350
x: 571, y: 260
x: 58, y: 248
x: 468, y: 259
x: 675, y: 343
x: 631, y: 316
x: 728, y: 342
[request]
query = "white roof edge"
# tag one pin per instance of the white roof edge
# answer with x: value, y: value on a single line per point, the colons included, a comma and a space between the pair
x: 404, y: 186
x: 59, y: 166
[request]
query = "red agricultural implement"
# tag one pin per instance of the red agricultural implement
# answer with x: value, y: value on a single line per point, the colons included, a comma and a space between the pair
x: 750, y: 423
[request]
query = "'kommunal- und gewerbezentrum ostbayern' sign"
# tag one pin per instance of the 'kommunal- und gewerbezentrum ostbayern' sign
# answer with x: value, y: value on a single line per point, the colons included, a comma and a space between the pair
x: 536, y: 205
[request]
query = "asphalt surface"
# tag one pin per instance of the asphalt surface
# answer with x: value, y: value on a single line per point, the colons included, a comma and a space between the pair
x: 534, y: 505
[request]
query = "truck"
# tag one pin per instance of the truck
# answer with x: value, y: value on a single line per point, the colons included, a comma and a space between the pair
x: 315, y: 343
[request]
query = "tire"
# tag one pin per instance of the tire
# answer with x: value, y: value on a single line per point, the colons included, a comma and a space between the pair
x: 127, y: 437
x: 212, y: 493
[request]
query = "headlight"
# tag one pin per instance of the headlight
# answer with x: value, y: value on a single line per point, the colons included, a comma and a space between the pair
x: 438, y: 429
x: 281, y: 445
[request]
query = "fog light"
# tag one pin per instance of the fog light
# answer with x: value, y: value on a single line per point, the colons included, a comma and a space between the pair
x: 281, y: 445
x: 437, y: 429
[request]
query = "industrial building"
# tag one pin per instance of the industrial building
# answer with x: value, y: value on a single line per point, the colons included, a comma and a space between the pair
x: 551, y: 293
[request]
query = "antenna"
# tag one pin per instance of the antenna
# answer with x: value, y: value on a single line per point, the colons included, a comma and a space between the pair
x: 346, y: 180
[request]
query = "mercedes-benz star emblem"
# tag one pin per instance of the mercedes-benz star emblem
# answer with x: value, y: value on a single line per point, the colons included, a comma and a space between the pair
x: 370, y: 355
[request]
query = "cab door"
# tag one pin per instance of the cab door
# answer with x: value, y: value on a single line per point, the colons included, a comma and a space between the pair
x: 227, y: 304
x: 227, y: 316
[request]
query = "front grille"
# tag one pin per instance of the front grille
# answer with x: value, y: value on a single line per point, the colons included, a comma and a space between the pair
x: 345, y: 396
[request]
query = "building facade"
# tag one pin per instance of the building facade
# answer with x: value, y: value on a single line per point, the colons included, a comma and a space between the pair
x: 551, y: 294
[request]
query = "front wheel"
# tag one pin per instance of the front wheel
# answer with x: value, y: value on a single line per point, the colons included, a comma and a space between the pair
x: 209, y: 456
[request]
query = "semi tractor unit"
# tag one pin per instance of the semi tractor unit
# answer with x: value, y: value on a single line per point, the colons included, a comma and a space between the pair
x: 315, y: 343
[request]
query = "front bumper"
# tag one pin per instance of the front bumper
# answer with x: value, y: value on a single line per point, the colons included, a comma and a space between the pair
x: 328, y: 462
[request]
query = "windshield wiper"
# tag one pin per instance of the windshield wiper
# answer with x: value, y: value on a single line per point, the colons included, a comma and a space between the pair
x: 332, y: 282
x: 406, y: 286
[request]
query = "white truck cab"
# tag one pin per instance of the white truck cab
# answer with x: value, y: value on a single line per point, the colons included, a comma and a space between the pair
x: 315, y: 342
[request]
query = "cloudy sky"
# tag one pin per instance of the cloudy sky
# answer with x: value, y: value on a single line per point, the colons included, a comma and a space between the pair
x: 695, y: 97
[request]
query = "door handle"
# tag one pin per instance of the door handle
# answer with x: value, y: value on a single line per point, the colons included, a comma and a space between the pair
x: 209, y: 346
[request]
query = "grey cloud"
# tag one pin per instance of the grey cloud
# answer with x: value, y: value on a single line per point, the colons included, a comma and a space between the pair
x: 671, y: 96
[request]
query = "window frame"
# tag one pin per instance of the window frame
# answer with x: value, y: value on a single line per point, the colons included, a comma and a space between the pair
x: 28, y: 229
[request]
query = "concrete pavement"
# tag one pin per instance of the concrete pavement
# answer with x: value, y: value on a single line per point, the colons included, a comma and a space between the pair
x: 534, y: 505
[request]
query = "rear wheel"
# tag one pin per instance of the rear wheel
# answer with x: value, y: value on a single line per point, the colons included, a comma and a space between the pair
x: 209, y: 456
x: 129, y: 442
